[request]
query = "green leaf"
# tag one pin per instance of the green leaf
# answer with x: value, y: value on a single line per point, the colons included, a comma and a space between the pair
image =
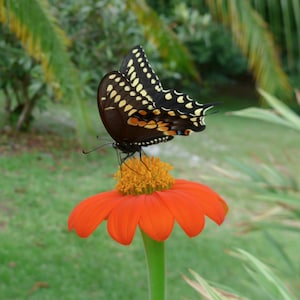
x: 262, y: 114
x: 33, y: 24
x: 282, y: 109
x: 251, y: 33
x: 293, y: 200
x: 207, y: 290
x: 264, y: 276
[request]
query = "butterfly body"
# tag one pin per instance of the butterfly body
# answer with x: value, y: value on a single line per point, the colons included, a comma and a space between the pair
x: 137, y: 112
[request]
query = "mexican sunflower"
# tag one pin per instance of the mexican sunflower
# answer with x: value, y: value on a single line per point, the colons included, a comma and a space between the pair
x: 148, y: 197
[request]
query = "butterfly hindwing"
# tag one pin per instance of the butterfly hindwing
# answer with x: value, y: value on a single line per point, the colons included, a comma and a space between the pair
x: 127, y: 115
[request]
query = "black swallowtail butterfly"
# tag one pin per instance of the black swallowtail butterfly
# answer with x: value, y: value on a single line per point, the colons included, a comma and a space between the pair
x: 136, y: 111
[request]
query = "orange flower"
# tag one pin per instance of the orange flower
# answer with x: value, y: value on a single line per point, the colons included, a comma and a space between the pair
x: 149, y: 197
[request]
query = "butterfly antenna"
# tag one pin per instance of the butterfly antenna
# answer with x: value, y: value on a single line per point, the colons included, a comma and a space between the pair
x: 96, y: 148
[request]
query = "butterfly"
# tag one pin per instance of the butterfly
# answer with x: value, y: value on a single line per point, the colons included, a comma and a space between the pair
x: 137, y: 111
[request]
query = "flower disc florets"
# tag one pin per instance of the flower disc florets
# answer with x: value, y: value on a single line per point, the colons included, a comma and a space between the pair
x: 143, y: 176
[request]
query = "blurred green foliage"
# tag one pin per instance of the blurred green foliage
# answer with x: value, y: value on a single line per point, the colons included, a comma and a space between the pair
x: 101, y: 32
x: 217, y: 57
x: 20, y: 80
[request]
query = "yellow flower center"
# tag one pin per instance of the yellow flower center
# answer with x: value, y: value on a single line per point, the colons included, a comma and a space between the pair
x: 143, y: 176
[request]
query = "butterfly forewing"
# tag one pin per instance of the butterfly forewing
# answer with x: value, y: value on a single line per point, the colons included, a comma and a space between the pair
x: 142, y: 77
x: 140, y: 74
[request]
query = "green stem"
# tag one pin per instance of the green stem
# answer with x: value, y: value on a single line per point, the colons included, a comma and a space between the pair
x: 155, y: 255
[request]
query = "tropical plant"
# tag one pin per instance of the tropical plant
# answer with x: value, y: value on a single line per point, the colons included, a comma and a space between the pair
x: 29, y: 20
x: 20, y: 82
x: 276, y: 185
x: 251, y: 33
x: 283, y: 18
x: 214, y: 53
x: 277, y: 188
x: 36, y: 29
x: 267, y: 284
x: 248, y: 21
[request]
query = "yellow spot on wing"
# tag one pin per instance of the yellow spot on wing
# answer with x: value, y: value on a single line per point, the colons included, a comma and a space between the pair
x: 132, y: 112
x: 135, y: 82
x: 122, y: 103
x: 189, y: 105
x: 113, y: 93
x: 130, y: 63
x: 143, y: 93
x: 198, y: 111
x: 131, y: 69
x: 180, y: 99
x: 109, y: 108
x: 168, y: 96
x: 132, y: 76
x: 139, y: 87
x: 128, y: 107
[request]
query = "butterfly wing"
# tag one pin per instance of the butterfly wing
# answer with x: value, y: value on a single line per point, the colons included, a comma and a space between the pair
x: 136, y: 111
x: 139, y: 73
x: 131, y: 118
x: 125, y: 113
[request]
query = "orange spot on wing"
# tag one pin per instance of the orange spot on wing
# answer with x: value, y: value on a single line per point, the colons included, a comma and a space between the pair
x: 133, y: 121
x: 161, y: 123
x: 188, y: 132
x: 150, y: 126
x: 142, y: 112
x: 163, y: 128
x: 170, y: 132
x: 142, y: 123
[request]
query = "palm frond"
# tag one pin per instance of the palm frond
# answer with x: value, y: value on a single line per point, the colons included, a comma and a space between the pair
x: 284, y: 19
x: 169, y: 46
x: 39, y: 34
x: 256, y: 42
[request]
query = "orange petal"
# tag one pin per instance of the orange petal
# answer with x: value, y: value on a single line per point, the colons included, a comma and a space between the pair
x: 89, y: 213
x: 123, y: 219
x: 185, y: 209
x: 211, y: 203
x: 156, y: 220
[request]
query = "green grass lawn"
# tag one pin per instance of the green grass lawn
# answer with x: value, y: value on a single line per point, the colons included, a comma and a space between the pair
x: 43, y: 177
